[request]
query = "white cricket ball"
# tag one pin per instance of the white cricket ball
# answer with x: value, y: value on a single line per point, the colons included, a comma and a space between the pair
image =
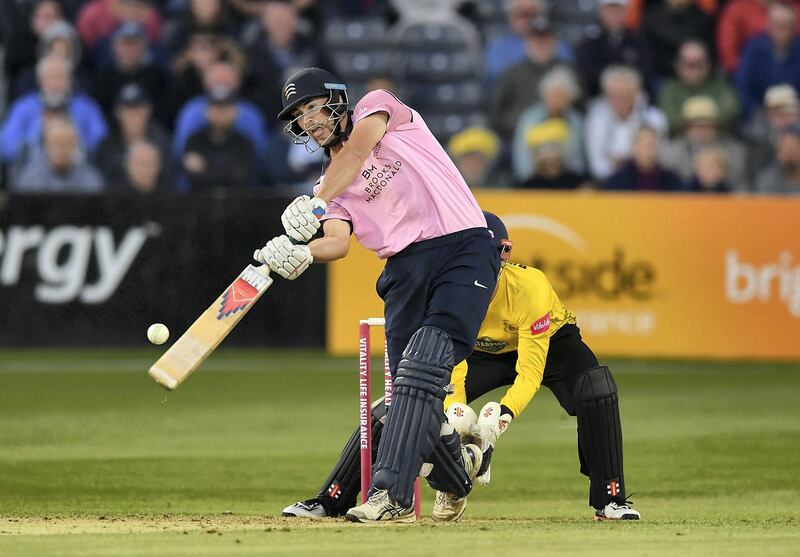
x: 157, y: 333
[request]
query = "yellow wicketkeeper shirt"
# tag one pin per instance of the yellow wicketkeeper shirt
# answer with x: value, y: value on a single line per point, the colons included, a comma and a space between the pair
x: 524, y: 313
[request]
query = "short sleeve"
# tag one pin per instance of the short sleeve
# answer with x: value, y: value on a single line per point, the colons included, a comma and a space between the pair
x: 334, y: 211
x: 383, y: 101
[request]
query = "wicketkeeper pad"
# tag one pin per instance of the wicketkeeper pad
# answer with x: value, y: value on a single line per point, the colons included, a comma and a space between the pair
x: 600, y: 435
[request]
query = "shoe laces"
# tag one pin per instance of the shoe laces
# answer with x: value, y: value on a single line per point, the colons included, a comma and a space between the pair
x: 628, y: 503
x: 379, y: 497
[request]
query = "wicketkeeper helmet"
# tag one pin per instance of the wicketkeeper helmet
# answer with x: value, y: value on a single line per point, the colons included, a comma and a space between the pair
x: 500, y: 235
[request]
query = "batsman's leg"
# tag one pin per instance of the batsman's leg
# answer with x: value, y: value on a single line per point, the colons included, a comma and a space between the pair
x: 413, y: 424
x: 454, y: 309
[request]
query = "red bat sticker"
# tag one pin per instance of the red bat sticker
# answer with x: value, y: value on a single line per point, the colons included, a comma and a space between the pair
x: 236, y: 298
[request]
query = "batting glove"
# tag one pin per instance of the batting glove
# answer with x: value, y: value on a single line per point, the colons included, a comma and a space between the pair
x: 301, y: 217
x: 285, y: 258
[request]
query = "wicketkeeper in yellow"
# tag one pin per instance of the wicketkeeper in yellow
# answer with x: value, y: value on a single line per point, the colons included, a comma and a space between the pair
x: 528, y: 339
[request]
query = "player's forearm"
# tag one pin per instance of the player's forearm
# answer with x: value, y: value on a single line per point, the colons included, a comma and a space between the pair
x: 329, y: 248
x: 341, y: 173
x: 530, y: 372
x: 519, y: 395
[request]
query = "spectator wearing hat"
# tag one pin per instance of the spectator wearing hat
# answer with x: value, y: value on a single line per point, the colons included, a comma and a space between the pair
x: 63, y: 169
x: 131, y: 62
x: 783, y: 175
x: 475, y: 152
x: 98, y: 19
x: 701, y: 130
x: 612, y: 120
x: 23, y: 125
x: 133, y: 113
x: 770, y: 58
x: 249, y: 121
x: 558, y: 91
x: 668, y: 25
x: 218, y: 156
x: 547, y: 142
x: 145, y: 171
x: 615, y: 45
x: 710, y: 167
x: 509, y: 48
x: 643, y: 172
x: 781, y: 110
x: 518, y: 87
x: 695, y: 76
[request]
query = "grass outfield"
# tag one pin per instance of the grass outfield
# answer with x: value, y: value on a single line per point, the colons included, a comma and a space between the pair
x: 95, y: 459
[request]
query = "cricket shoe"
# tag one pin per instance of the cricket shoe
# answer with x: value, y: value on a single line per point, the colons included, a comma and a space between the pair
x: 310, y: 508
x: 616, y: 511
x: 381, y: 508
x: 447, y: 507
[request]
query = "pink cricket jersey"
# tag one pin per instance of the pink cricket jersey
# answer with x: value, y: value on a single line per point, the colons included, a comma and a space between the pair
x: 408, y: 189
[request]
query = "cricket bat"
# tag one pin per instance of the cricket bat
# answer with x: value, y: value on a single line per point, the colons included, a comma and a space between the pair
x: 205, y: 334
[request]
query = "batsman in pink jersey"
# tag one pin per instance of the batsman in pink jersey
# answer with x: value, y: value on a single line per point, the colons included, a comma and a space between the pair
x: 391, y: 184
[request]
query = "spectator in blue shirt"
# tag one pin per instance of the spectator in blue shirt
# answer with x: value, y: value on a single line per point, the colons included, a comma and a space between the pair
x: 770, y: 58
x: 23, y: 126
x: 192, y: 117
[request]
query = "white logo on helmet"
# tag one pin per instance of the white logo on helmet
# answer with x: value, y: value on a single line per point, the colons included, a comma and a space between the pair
x: 289, y: 90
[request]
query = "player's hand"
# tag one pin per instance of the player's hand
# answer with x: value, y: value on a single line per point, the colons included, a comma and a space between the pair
x: 492, y: 423
x: 301, y: 217
x: 285, y: 258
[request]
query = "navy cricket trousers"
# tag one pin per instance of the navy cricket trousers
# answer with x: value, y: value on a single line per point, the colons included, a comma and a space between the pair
x: 445, y: 282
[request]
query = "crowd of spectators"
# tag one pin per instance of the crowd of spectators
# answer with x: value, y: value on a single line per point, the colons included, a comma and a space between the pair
x: 182, y: 95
